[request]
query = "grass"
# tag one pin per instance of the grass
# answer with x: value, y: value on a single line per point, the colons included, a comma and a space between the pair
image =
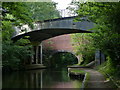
x: 77, y: 71
x: 109, y: 72
x: 87, y: 79
x: 73, y: 65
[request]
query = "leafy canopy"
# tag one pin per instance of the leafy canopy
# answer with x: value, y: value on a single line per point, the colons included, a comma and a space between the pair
x: 106, y: 36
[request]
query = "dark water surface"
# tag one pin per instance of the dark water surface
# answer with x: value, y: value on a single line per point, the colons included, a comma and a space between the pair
x: 47, y: 78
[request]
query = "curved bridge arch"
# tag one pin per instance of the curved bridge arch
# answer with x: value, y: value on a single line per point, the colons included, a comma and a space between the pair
x: 63, y: 51
x: 40, y: 35
x: 73, y: 59
x: 51, y: 28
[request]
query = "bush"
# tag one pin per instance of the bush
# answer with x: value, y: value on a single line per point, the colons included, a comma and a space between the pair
x: 13, y: 55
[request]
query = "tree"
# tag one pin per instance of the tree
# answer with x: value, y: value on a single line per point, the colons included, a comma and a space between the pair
x: 14, y: 14
x: 83, y: 46
x: 18, y: 14
x: 106, y: 36
x: 62, y: 59
x: 107, y: 33
x: 43, y: 10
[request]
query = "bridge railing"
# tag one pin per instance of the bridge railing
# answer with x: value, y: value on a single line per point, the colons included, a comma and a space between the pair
x: 43, y: 25
x: 37, y: 26
x: 21, y: 30
x: 66, y: 23
x: 66, y: 13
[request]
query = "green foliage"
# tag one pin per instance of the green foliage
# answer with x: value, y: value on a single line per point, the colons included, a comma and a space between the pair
x: 43, y: 10
x: 63, y: 59
x: 22, y: 42
x: 17, y: 13
x: 7, y: 30
x: 109, y: 69
x: 83, y: 45
x: 107, y: 33
x: 14, y: 54
x: 77, y: 71
x: 106, y: 36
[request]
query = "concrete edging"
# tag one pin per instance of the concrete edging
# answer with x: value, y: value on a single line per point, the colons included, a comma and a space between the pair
x: 84, y: 82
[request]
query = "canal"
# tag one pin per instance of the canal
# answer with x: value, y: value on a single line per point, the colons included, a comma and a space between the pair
x: 47, y: 78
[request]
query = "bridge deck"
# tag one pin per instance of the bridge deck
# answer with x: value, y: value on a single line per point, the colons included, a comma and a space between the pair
x: 51, y: 28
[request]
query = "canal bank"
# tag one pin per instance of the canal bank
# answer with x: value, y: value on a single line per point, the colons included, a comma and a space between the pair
x: 79, y: 73
x: 92, y: 79
x: 85, y: 78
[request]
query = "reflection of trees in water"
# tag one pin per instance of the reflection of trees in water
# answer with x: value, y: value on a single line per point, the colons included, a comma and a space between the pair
x: 37, y: 79
x: 56, y: 75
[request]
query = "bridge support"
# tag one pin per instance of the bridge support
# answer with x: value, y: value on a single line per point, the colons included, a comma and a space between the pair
x: 79, y: 59
x: 36, y: 59
x: 41, y: 54
x: 32, y: 57
x: 99, y: 57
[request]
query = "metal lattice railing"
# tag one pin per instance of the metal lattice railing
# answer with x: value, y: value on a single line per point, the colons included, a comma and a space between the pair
x: 66, y: 13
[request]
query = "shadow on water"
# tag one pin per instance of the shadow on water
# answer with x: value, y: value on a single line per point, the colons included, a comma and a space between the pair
x: 47, y: 78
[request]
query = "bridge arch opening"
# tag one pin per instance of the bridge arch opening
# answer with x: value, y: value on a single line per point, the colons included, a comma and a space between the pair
x: 48, y: 29
x: 62, y: 59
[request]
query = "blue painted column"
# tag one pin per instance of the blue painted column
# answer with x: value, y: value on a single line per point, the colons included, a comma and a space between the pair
x: 97, y: 57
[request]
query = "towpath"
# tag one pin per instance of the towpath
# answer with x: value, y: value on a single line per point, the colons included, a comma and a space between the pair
x: 96, y: 80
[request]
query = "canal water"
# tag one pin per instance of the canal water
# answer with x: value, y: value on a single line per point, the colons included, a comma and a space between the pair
x: 48, y: 78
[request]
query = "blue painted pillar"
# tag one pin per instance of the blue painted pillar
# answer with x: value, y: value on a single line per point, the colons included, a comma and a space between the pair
x: 102, y: 58
x: 97, y: 58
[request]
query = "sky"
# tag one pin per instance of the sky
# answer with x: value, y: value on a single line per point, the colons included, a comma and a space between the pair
x: 62, y: 4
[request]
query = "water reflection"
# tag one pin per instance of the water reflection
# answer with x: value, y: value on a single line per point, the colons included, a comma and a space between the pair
x: 40, y: 79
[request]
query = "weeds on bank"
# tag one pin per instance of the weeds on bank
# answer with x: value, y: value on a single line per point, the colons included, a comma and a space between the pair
x: 110, y: 72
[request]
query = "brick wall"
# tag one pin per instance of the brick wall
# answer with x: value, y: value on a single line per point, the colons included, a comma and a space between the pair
x: 62, y: 42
